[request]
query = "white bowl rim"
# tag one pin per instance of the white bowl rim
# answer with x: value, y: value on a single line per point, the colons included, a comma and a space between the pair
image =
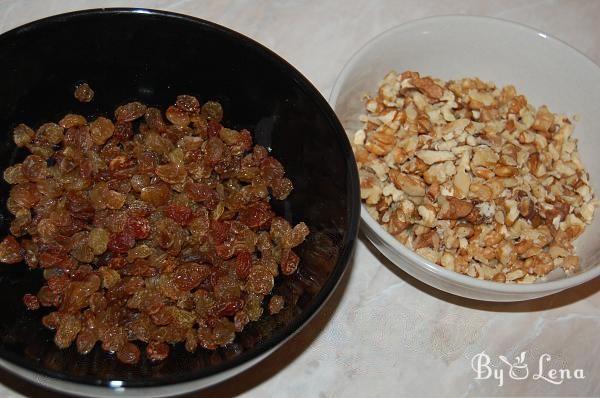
x: 403, y: 251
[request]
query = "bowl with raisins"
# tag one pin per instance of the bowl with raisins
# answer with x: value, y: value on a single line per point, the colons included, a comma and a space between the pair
x: 177, y: 202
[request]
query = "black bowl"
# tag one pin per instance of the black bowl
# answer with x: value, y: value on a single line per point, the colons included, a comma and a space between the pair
x: 152, y: 56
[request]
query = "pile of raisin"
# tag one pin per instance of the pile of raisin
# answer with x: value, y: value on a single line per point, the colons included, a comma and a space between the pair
x: 149, y: 230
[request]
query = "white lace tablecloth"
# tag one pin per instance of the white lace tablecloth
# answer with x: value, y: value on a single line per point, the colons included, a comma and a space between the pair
x: 384, y: 333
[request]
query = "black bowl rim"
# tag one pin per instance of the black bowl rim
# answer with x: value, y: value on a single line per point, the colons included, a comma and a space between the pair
x: 352, y: 211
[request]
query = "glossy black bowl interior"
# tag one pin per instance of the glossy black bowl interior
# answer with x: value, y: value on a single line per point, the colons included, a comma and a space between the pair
x: 152, y: 57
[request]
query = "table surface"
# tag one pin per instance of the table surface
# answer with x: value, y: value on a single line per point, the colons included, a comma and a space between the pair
x: 384, y: 333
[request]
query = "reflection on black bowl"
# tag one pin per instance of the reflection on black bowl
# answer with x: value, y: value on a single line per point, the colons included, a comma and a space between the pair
x: 152, y: 56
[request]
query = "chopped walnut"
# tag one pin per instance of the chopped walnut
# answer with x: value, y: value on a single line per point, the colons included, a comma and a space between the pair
x: 473, y: 177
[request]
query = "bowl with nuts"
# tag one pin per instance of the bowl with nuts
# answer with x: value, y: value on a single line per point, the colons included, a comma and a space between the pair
x: 476, y: 155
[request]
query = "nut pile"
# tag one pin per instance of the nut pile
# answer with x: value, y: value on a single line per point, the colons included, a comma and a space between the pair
x: 148, y: 229
x: 473, y: 177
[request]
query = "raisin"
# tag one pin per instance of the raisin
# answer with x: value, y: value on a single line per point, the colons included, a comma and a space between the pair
x: 35, y: 168
x: 189, y: 275
x: 23, y: 135
x: 14, y: 174
x: 260, y: 280
x: 49, y: 259
x: 43, y: 150
x: 140, y: 267
x: 51, y: 320
x: 281, y: 188
x: 129, y: 354
x: 110, y: 277
x: 240, y: 320
x: 121, y: 242
x: 213, y: 111
x: 225, y: 251
x: 191, y: 341
x: 129, y: 112
x: 138, y: 227
x: 243, y: 264
x: 171, y: 173
x: 72, y: 120
x: 114, y: 200
x: 117, y: 263
x: 123, y: 131
x: 10, y: 251
x: 83, y: 93
x: 79, y: 138
x: 279, y: 228
x: 220, y: 231
x: 229, y: 308
x: 238, y: 141
x: 98, y: 240
x: 157, y: 351
x: 226, y: 287
x: 19, y: 225
x: 223, y: 332
x: 133, y: 284
x: 68, y: 328
x: 176, y: 156
x: 77, y: 295
x: 259, y: 153
x: 215, y: 151
x: 188, y: 103
x: 51, y: 188
x: 101, y: 130
x: 271, y: 170
x: 276, y: 304
x: 120, y: 163
x: 25, y: 195
x: 98, y: 302
x: 162, y: 317
x: 289, y: 262
x: 79, y: 205
x: 253, y: 307
x: 51, y: 133
x: 86, y: 340
x: 156, y: 195
x: 140, y: 251
x: 180, y: 213
x: 202, y: 193
x: 158, y: 144
x: 31, y: 302
x: 213, y: 128
x: 113, y: 338
x: 91, y: 166
x: 256, y: 216
x: 47, y: 229
x: 154, y: 119
x: 83, y: 253
x: 178, y: 116
x: 206, y: 338
x: 58, y: 283
x: 139, y: 182
x: 295, y: 236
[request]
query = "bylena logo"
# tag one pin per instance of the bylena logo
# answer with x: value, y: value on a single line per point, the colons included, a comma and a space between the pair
x: 519, y: 369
